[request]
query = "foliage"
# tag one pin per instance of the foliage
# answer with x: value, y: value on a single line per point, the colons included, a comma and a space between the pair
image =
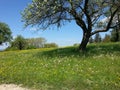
x: 36, y: 42
x: 63, y: 68
x: 115, y: 35
x: 50, y: 45
x: 5, y: 33
x: 19, y: 43
x: 76, y: 44
x: 86, y: 13
x: 11, y: 48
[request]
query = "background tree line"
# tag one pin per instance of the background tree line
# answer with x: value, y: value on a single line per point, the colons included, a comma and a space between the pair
x: 114, y: 36
x: 21, y: 43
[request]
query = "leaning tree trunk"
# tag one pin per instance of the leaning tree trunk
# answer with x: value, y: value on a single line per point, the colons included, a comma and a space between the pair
x: 84, y: 42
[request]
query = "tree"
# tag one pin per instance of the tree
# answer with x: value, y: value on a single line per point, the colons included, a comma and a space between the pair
x: 36, y: 42
x: 106, y: 38
x: 51, y: 45
x: 76, y: 44
x: 5, y: 33
x: 86, y: 13
x: 115, y: 35
x: 97, y: 38
x: 19, y: 42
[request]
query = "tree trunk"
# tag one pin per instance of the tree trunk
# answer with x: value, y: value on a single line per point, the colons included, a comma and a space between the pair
x: 84, y: 42
x: 0, y: 43
x: 20, y: 46
x: 117, y: 34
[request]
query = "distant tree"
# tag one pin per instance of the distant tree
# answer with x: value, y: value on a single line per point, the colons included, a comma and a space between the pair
x: 115, y: 35
x: 36, y: 42
x: 51, y: 45
x: 106, y: 38
x: 86, y: 14
x: 97, y: 38
x: 91, y: 40
x: 5, y: 33
x: 19, y: 42
x: 76, y: 44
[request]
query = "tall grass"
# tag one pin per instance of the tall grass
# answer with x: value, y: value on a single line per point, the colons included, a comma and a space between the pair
x: 63, y: 68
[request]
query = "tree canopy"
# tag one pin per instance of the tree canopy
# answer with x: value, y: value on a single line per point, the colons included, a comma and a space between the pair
x: 5, y: 33
x: 19, y: 42
x: 36, y: 42
x: 88, y: 15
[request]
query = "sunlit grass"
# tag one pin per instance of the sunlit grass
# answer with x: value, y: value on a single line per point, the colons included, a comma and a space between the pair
x: 63, y: 68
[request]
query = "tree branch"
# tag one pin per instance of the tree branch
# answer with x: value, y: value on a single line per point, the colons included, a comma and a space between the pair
x: 109, y: 23
x: 115, y: 25
x: 86, y: 5
x: 87, y: 15
x: 78, y: 19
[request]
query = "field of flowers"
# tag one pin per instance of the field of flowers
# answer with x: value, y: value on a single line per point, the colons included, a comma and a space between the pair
x: 64, y: 68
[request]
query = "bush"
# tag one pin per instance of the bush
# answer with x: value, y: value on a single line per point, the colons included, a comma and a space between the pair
x: 51, y: 45
x: 19, y: 43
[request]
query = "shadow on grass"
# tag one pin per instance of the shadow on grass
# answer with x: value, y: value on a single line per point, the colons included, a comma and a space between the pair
x: 92, y: 50
x: 61, y: 52
x: 96, y: 49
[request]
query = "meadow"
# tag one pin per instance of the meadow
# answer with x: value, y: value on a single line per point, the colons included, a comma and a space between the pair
x: 63, y: 68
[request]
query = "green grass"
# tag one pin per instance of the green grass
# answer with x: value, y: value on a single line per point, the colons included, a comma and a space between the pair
x: 63, y: 69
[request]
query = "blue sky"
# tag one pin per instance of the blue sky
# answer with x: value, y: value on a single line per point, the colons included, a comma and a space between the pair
x: 10, y: 14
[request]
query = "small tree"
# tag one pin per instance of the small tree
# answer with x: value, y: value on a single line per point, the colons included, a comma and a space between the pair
x: 97, y: 38
x: 115, y: 35
x: 76, y: 44
x: 51, y: 45
x: 91, y: 40
x: 5, y: 33
x: 36, y: 42
x: 106, y: 38
x: 19, y: 43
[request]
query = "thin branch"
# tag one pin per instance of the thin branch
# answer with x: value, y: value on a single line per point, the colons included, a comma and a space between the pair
x: 115, y: 25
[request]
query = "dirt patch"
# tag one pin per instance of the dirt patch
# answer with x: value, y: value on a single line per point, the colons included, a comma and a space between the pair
x: 11, y: 87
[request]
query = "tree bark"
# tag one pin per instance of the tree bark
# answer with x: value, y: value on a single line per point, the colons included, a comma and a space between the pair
x: 85, y: 40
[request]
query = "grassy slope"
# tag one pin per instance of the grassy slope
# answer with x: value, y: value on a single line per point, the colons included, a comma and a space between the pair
x: 63, y: 69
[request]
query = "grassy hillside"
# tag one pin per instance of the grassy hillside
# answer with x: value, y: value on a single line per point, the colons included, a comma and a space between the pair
x: 63, y: 68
